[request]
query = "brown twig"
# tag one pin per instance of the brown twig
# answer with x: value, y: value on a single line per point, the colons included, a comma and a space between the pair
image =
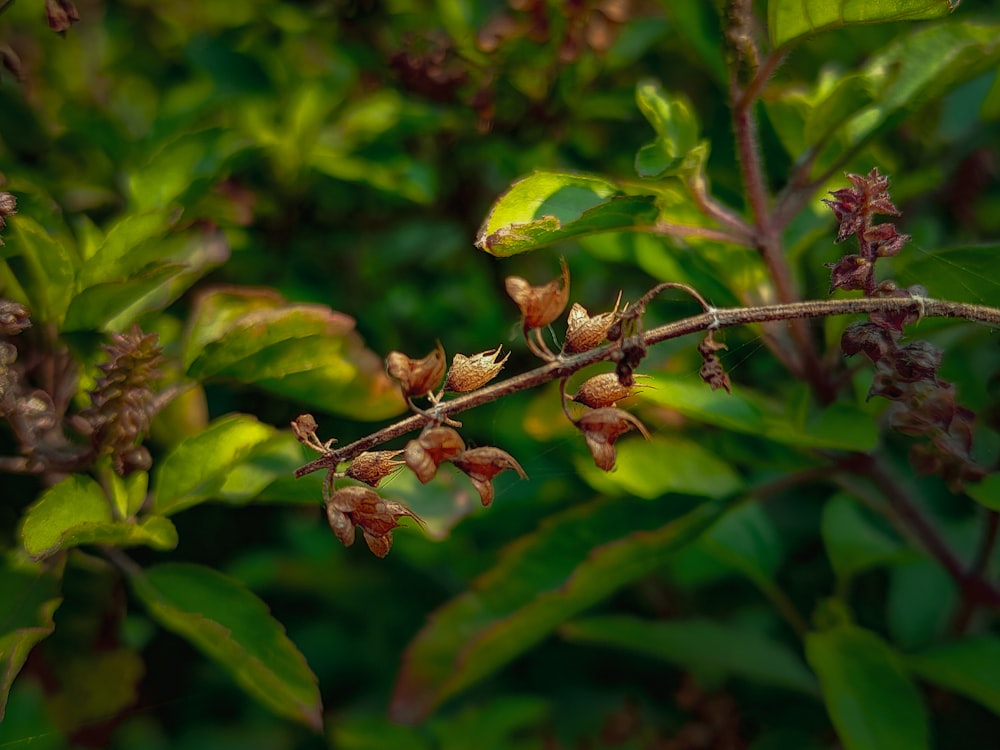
x: 564, y: 366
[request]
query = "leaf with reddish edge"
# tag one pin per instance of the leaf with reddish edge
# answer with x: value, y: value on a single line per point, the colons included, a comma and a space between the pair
x: 549, y: 207
x: 573, y: 561
x: 302, y: 351
x: 229, y: 624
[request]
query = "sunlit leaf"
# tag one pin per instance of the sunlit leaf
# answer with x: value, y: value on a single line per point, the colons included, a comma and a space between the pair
x: 199, y: 467
x: 650, y: 469
x: 96, y: 305
x: 676, y: 129
x: 231, y: 626
x: 840, y: 426
x: 700, y: 644
x: 76, y: 512
x: 306, y: 352
x: 788, y: 20
x: 573, y: 561
x: 31, y: 595
x: 128, y: 234
x: 970, y: 667
x: 871, y: 699
x: 549, y: 207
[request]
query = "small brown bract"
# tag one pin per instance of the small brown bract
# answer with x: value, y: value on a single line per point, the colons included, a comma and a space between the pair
x: 482, y: 464
x: 434, y: 446
x: 540, y: 305
x: 602, y: 427
x: 469, y: 373
x: 417, y: 377
x: 371, y: 467
x: 602, y: 390
x: 360, y: 507
x: 583, y: 331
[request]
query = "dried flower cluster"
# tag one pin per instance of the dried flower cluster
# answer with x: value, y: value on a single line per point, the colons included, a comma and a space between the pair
x: 925, y: 406
x: 602, y: 423
x: 8, y: 206
x: 123, y: 402
x: 37, y: 389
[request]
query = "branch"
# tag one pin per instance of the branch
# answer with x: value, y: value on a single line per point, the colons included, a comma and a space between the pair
x: 564, y: 366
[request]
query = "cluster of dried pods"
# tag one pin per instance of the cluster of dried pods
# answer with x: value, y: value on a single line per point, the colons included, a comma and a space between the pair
x: 924, y: 405
x: 429, y: 378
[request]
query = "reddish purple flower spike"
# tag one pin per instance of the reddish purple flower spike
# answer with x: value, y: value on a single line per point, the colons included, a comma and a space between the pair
x: 854, y: 207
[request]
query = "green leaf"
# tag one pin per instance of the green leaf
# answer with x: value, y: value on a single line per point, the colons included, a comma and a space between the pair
x: 986, y: 492
x: 854, y: 541
x: 128, y: 494
x: 920, y: 68
x: 269, y: 461
x: 31, y: 595
x: 549, y: 207
x: 839, y: 426
x: 306, y: 352
x: 970, y: 667
x: 127, y: 235
x: 922, y: 602
x: 746, y: 539
x: 699, y: 27
x: 199, y: 467
x: 181, y: 166
x: 965, y: 273
x: 367, y: 732
x: 700, y: 644
x: 788, y: 20
x: 573, y: 561
x: 96, y: 685
x: 676, y: 131
x: 76, y: 512
x: 230, y: 625
x: 97, y: 305
x: 42, y: 264
x: 667, y: 463
x: 871, y: 699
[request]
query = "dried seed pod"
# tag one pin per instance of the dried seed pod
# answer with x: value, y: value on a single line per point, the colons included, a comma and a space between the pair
x: 371, y: 467
x: 304, y: 427
x: 602, y: 427
x: 359, y: 507
x: 470, y: 373
x: 14, y: 318
x: 583, y: 331
x: 379, y: 545
x: 417, y: 377
x: 434, y: 446
x: 61, y: 14
x: 711, y: 370
x: 602, y: 390
x: 540, y: 305
x: 482, y: 464
x: 8, y: 204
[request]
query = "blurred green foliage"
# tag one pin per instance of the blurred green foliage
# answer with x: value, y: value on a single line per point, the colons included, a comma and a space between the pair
x: 284, y: 192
